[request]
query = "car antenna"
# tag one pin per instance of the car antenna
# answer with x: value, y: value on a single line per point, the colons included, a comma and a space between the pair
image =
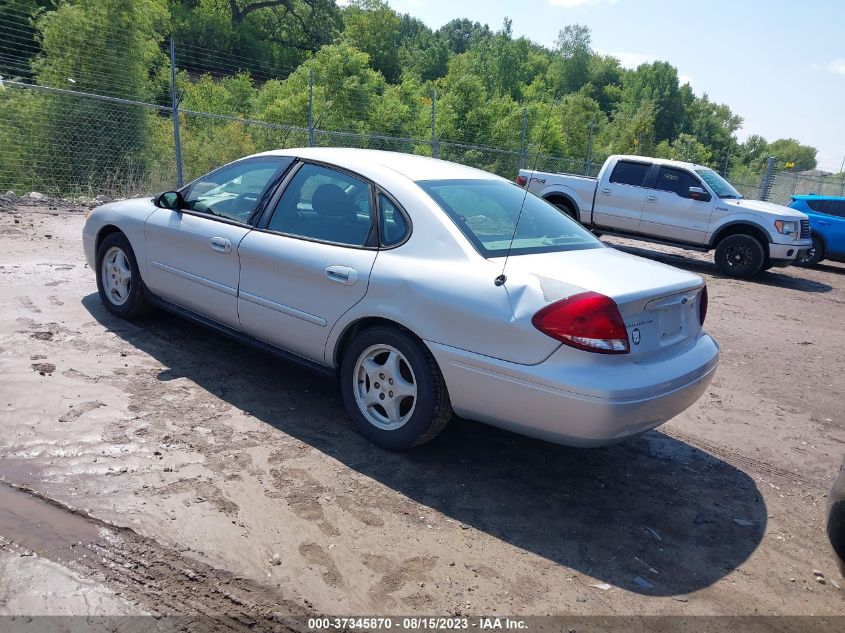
x: 502, y: 278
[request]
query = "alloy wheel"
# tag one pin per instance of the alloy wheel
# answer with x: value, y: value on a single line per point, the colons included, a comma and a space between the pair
x: 385, y: 387
x: 117, y: 276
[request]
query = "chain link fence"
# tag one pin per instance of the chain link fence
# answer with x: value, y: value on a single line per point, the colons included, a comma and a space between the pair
x: 66, y: 142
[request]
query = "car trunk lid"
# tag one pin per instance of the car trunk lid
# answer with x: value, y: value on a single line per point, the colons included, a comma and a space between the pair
x: 658, y: 303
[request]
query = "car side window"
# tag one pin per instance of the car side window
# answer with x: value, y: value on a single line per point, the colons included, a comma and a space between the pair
x: 629, y: 173
x: 231, y: 192
x: 828, y: 207
x: 393, y: 225
x: 324, y: 204
x: 675, y: 180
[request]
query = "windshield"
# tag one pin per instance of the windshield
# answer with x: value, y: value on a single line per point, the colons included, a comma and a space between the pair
x: 719, y: 185
x: 487, y: 210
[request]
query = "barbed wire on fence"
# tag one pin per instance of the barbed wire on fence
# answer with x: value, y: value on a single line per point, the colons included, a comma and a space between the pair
x: 64, y: 140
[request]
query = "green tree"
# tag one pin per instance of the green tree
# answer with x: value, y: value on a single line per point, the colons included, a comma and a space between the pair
x: 789, y: 150
x: 372, y: 26
x: 572, y: 65
x: 422, y: 53
x: 460, y: 33
x: 89, y: 140
x: 578, y: 113
x: 687, y: 148
x: 632, y: 130
x: 656, y: 82
x: 345, y: 88
x: 712, y: 124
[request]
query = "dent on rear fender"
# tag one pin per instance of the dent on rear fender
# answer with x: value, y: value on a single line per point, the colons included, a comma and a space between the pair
x: 524, y: 296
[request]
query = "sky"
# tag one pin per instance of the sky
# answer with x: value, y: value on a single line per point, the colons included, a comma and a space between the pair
x: 779, y: 64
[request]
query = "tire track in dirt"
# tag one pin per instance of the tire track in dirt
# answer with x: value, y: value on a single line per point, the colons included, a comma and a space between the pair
x: 159, y: 580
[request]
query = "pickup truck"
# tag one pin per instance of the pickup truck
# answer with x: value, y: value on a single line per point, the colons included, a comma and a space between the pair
x: 679, y: 204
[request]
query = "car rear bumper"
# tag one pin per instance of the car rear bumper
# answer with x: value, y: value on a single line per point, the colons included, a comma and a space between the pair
x: 576, y: 405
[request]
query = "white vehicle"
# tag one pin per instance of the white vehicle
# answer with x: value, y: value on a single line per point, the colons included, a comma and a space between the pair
x: 424, y: 286
x: 680, y: 204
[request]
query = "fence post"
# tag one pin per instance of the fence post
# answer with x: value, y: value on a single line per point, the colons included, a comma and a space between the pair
x: 589, y: 162
x: 435, y: 146
x: 311, y: 108
x: 766, y: 182
x: 175, y: 106
x: 523, y: 148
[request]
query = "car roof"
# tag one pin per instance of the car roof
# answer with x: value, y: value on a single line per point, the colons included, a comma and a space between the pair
x: 815, y: 196
x: 659, y: 161
x: 368, y: 161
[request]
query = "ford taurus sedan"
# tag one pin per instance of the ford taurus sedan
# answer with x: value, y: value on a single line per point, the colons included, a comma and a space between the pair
x: 427, y: 288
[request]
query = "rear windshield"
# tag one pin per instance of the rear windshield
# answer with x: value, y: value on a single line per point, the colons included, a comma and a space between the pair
x: 486, y: 211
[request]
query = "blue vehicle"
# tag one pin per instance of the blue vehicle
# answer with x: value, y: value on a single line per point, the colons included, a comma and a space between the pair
x: 827, y: 223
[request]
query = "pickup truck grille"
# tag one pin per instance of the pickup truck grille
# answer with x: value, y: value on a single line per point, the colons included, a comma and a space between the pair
x: 805, y: 229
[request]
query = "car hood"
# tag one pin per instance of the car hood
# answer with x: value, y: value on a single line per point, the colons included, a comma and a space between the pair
x: 604, y: 270
x: 758, y: 206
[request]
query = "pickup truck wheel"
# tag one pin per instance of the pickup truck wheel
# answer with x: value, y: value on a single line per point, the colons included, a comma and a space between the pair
x: 813, y: 256
x: 740, y: 256
x: 566, y: 210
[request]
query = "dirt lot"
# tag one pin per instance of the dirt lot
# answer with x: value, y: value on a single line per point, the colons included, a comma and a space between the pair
x: 220, y: 467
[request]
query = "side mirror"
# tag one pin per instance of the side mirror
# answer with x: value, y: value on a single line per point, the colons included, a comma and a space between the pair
x: 697, y: 193
x: 169, y: 200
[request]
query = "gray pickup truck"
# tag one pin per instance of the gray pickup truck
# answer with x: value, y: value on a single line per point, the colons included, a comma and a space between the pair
x: 679, y: 204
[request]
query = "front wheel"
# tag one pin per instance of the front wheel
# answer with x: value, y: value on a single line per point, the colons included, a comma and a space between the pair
x: 393, y: 390
x: 118, y: 278
x: 740, y: 256
x: 813, y: 256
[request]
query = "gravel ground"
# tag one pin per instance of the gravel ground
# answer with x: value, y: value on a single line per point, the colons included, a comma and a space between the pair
x: 236, y: 464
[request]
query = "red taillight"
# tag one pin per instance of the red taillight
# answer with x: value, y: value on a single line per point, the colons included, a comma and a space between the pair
x: 521, y: 180
x: 587, y: 321
x: 702, y: 305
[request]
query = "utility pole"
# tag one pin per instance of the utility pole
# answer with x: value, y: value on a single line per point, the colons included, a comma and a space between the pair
x: 523, y: 148
x: 311, y: 108
x: 589, y: 162
x: 175, y: 107
x: 435, y: 146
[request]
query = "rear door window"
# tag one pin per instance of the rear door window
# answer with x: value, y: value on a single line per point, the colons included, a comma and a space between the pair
x: 629, y: 173
x: 326, y: 205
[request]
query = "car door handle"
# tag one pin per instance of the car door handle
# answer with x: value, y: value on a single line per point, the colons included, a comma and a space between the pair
x: 221, y: 244
x: 651, y: 198
x: 605, y: 192
x: 342, y: 275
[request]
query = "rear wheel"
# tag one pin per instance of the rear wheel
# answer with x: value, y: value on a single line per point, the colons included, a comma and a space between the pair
x: 566, y: 209
x: 814, y: 255
x: 118, y: 278
x: 740, y: 256
x: 393, y: 390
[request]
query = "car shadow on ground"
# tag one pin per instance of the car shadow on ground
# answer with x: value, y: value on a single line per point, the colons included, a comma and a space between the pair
x: 652, y: 509
x: 771, y: 277
x: 830, y: 267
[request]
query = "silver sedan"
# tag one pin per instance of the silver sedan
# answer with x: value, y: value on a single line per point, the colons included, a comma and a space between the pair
x: 428, y: 288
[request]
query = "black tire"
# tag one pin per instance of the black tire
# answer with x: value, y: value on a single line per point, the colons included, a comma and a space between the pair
x: 815, y: 256
x: 135, y: 304
x: 767, y: 266
x: 431, y: 408
x: 566, y: 209
x: 740, y: 256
